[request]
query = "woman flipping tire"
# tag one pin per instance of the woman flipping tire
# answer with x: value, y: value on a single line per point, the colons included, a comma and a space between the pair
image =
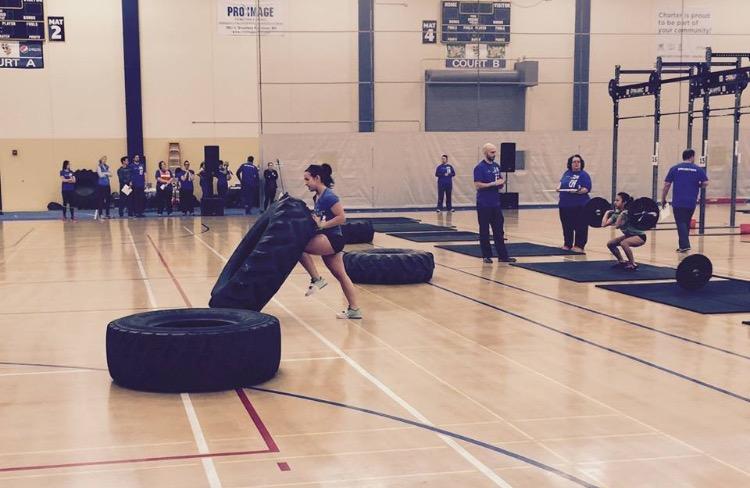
x: 328, y: 243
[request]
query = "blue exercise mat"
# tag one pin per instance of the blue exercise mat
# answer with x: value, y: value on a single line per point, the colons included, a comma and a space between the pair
x: 515, y: 249
x: 383, y: 220
x: 593, y: 271
x: 445, y: 236
x: 409, y: 227
x: 725, y: 296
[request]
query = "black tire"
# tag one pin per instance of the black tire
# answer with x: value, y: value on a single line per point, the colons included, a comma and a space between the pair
x: 193, y: 350
x: 358, y: 232
x: 389, y: 266
x: 85, y: 193
x: 265, y: 257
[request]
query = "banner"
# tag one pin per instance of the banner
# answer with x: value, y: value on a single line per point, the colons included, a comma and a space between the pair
x: 683, y: 33
x: 21, y: 55
x: 244, y: 18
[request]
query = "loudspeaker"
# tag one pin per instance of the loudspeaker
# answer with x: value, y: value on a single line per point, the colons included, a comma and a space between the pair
x: 509, y: 200
x: 211, y: 157
x: 212, y: 206
x: 508, y: 157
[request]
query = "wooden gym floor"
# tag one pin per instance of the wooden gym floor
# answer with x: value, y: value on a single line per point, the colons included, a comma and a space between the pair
x: 489, y: 376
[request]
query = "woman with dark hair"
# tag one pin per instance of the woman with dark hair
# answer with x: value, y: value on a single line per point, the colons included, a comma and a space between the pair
x: 223, y: 175
x: 68, y: 187
x: 329, y: 241
x: 574, y: 189
x: 631, y: 237
x: 163, y: 189
x: 104, y: 191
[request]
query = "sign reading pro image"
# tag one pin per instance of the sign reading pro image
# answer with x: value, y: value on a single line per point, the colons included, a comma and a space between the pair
x: 248, y: 17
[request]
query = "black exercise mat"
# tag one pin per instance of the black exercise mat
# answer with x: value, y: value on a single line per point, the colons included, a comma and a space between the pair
x: 592, y: 271
x: 747, y: 322
x: 726, y: 296
x: 515, y: 249
x: 455, y: 236
x: 409, y: 227
x: 383, y: 220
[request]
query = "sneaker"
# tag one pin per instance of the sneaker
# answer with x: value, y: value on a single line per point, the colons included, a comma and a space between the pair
x: 350, y: 313
x: 630, y: 267
x: 487, y: 260
x: 619, y: 264
x: 577, y: 249
x: 315, y: 285
x: 438, y: 210
x: 453, y: 210
x: 508, y: 260
x: 682, y: 249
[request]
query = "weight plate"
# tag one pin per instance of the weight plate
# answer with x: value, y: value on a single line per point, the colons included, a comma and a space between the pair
x: 694, y: 272
x: 643, y: 213
x: 595, y: 209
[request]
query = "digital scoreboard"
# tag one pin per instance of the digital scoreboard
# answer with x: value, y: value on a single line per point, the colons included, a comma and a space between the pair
x: 22, y: 20
x: 475, y: 22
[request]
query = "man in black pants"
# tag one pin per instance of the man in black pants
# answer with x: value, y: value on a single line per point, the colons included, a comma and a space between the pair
x: 487, y: 181
x: 269, y: 190
x: 123, y: 175
x: 688, y: 179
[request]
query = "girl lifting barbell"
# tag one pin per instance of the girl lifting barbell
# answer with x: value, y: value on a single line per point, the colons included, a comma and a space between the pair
x: 632, y: 236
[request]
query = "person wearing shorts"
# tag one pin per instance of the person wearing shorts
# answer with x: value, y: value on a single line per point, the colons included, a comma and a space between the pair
x: 631, y: 237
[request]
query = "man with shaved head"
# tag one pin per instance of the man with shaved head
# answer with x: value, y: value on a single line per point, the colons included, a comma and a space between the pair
x: 487, y: 181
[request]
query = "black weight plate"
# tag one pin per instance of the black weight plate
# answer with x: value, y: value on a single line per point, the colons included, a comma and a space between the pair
x: 595, y: 210
x: 643, y: 213
x: 694, y: 272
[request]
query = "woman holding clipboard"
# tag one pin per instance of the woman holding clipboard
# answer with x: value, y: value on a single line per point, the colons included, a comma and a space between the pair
x: 574, y: 189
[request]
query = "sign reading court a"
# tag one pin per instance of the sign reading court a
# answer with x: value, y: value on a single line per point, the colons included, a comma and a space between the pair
x: 248, y: 17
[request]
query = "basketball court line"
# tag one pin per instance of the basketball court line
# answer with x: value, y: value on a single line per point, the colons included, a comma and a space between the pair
x: 569, y: 388
x: 596, y: 312
x: 97, y: 471
x: 444, y: 435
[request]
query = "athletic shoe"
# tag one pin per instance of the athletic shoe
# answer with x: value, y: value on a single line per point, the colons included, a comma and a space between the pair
x: 453, y: 210
x: 350, y: 313
x: 577, y: 249
x: 682, y: 249
x: 508, y: 260
x: 438, y: 210
x: 487, y: 260
x: 315, y: 285
x: 619, y: 264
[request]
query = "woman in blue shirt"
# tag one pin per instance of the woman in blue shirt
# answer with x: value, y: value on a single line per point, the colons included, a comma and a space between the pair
x: 68, y: 187
x: 103, y: 188
x: 328, y: 243
x: 574, y: 189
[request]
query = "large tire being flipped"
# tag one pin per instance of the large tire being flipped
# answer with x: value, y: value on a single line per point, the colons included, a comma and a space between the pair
x: 389, y: 266
x: 265, y: 256
x: 85, y: 193
x: 193, y: 350
x: 358, y: 232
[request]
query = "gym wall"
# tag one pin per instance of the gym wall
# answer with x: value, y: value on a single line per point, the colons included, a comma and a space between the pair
x: 201, y: 87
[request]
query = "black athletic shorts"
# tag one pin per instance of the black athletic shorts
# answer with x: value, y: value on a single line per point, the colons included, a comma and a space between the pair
x: 642, y: 236
x: 336, y: 238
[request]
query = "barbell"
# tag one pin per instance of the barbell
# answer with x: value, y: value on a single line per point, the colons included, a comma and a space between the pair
x: 643, y: 213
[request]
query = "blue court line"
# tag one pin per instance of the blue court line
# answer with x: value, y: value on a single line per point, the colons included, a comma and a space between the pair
x: 437, y: 430
x: 581, y: 307
x: 599, y: 346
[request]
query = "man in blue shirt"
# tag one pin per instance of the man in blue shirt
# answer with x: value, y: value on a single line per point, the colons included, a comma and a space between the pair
x: 445, y: 174
x: 123, y: 176
x: 250, y: 181
x: 688, y: 178
x: 487, y: 181
x: 138, y: 181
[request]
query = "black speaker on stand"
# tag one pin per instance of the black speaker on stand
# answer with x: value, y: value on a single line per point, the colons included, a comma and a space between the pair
x: 508, y: 199
x: 211, y: 205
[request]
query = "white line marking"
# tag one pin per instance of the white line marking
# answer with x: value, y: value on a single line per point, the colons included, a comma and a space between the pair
x: 390, y: 393
x: 195, y: 426
x: 67, y: 371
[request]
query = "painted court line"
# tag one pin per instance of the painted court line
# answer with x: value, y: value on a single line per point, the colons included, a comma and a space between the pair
x: 424, y: 422
x: 382, y: 387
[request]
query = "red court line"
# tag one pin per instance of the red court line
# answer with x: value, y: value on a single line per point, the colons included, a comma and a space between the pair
x: 272, y: 446
x: 284, y: 466
x: 171, y: 275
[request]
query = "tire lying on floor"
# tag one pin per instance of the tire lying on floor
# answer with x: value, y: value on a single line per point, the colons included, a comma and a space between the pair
x: 358, y: 232
x: 265, y: 256
x: 389, y: 266
x: 193, y: 350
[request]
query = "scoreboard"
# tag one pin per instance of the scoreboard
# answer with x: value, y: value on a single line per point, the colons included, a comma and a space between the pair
x: 22, y: 20
x: 475, y: 22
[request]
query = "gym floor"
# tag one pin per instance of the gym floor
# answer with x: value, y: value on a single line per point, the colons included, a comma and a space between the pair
x: 490, y: 375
